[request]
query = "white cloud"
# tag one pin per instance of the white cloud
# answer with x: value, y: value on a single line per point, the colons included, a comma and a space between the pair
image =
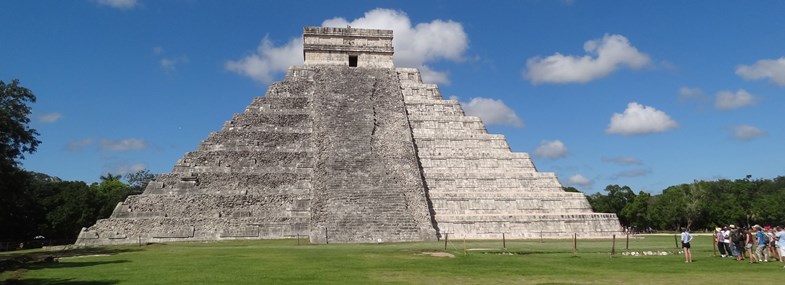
x: 603, y: 57
x: 268, y: 60
x: 492, y: 112
x: 119, y: 4
x: 638, y: 119
x: 773, y: 69
x: 579, y: 180
x: 415, y: 46
x: 727, y: 100
x: 431, y: 76
x: 746, y: 132
x: 51, y: 117
x: 624, y: 160
x: 123, y: 169
x: 551, y: 149
x: 122, y: 145
x: 631, y: 173
x: 688, y: 94
x: 170, y: 64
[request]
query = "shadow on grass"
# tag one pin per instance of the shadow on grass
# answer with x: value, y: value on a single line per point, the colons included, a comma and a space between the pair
x: 36, y: 281
x: 49, y: 259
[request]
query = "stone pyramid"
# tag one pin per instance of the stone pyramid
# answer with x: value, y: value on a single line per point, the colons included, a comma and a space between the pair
x: 349, y: 148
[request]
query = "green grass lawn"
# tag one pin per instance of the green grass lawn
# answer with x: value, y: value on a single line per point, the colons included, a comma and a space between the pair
x: 484, y: 262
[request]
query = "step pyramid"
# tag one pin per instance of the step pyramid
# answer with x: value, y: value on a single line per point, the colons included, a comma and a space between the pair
x: 350, y: 149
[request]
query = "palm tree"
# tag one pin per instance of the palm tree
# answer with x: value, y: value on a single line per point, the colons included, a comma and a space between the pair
x: 110, y: 177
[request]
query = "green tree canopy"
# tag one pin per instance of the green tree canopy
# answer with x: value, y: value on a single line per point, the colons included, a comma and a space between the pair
x: 16, y: 137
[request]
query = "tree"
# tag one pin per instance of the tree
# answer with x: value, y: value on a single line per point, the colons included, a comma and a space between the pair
x: 111, y: 192
x: 16, y: 137
x: 138, y: 181
x: 110, y: 177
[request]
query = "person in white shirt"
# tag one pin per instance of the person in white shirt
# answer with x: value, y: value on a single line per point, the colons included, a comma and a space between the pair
x: 686, y: 238
x: 781, y: 242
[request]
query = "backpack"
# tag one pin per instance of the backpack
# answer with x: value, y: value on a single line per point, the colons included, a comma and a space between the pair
x: 766, y: 238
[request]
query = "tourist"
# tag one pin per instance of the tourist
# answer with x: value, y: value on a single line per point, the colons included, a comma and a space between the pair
x: 781, y: 242
x: 719, y: 239
x: 748, y: 242
x: 760, y: 238
x: 772, y: 243
x: 737, y: 242
x: 726, y: 241
x: 686, y: 238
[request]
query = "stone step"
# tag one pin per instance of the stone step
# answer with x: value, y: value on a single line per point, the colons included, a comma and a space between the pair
x: 497, y: 154
x: 234, y: 183
x: 268, y: 139
x: 276, y: 103
x: 513, y: 164
x: 261, y: 129
x: 265, y: 119
x: 518, y: 194
x: 468, y: 174
x: 298, y: 146
x: 543, y: 184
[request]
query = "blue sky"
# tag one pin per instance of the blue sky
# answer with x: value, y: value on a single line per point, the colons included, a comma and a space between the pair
x: 646, y: 94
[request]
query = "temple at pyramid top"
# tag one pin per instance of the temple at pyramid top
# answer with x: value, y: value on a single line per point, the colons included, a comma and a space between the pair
x: 348, y: 47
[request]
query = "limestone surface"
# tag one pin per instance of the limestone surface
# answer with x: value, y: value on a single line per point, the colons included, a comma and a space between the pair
x: 350, y: 149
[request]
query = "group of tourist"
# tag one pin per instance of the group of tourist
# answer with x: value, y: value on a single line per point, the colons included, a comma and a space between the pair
x: 759, y: 244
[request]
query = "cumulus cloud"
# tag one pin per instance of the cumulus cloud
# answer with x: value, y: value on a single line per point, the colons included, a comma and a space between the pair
x: 727, y: 100
x: 551, y: 149
x: 632, y: 173
x: 638, y: 119
x: 773, y: 69
x: 122, y: 145
x: 689, y: 94
x: 268, y: 60
x: 119, y: 4
x: 51, y: 117
x: 579, y: 180
x: 432, y: 76
x: 623, y: 160
x: 746, y: 132
x: 415, y: 46
x: 603, y: 57
x: 491, y: 111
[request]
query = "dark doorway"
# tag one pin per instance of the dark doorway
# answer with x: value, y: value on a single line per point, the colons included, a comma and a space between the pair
x: 353, y: 61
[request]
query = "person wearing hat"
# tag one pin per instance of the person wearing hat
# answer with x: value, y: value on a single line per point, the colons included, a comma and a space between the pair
x: 760, y: 250
x: 733, y: 241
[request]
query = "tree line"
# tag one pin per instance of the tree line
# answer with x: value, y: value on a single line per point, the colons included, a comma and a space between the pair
x: 42, y: 206
x: 698, y: 205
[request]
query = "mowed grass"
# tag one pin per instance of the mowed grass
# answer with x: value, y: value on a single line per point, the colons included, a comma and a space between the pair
x: 484, y: 262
